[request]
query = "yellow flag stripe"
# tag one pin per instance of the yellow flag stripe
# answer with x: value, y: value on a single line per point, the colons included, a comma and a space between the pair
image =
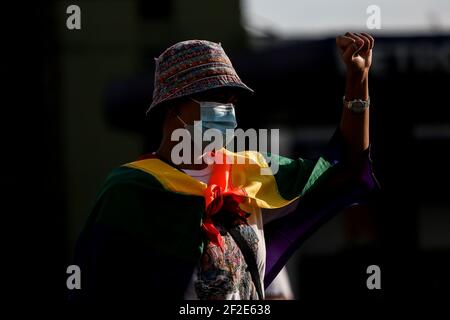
x: 262, y: 190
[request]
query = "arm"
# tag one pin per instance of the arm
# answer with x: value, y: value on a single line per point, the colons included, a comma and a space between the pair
x: 356, y: 53
x: 329, y: 185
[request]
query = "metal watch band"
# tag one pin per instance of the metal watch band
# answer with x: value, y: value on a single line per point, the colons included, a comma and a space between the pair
x: 357, y: 105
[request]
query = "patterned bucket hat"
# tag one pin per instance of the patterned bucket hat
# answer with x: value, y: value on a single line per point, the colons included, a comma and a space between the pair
x: 190, y: 67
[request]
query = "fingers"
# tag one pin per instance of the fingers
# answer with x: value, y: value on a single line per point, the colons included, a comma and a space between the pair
x: 372, y: 41
x: 359, y: 42
x: 349, y: 51
x: 343, y: 42
x: 366, y: 47
x: 363, y: 42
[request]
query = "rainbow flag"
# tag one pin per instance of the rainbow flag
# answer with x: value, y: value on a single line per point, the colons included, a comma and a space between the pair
x: 158, y: 211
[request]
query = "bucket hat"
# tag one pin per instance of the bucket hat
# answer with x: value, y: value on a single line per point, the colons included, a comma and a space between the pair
x: 190, y: 67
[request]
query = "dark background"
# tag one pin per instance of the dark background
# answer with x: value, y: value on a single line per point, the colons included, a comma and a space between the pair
x: 74, y: 105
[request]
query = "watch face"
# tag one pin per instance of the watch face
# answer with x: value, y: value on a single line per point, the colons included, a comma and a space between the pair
x: 357, y: 106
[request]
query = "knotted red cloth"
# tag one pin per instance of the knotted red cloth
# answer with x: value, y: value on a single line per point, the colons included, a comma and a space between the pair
x: 221, y: 194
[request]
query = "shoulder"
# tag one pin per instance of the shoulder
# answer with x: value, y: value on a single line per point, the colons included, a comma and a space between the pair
x: 127, y: 176
x: 124, y: 197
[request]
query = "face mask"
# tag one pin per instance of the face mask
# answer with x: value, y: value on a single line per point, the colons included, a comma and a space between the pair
x: 216, y: 116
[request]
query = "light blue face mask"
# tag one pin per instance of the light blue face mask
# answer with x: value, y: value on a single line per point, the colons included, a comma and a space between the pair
x: 215, y: 115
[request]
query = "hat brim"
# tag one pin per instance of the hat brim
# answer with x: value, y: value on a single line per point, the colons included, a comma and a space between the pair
x: 201, y: 85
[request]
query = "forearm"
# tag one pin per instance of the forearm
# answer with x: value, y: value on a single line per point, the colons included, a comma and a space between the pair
x: 355, y: 126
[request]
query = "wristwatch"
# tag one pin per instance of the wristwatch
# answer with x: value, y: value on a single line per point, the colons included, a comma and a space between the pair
x: 357, y: 106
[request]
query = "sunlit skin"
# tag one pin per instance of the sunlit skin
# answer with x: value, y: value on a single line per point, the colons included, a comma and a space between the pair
x: 356, y: 53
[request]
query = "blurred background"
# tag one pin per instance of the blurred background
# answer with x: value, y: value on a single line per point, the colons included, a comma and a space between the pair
x: 78, y: 111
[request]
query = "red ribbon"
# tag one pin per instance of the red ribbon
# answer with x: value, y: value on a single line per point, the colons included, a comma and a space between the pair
x: 220, y: 194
